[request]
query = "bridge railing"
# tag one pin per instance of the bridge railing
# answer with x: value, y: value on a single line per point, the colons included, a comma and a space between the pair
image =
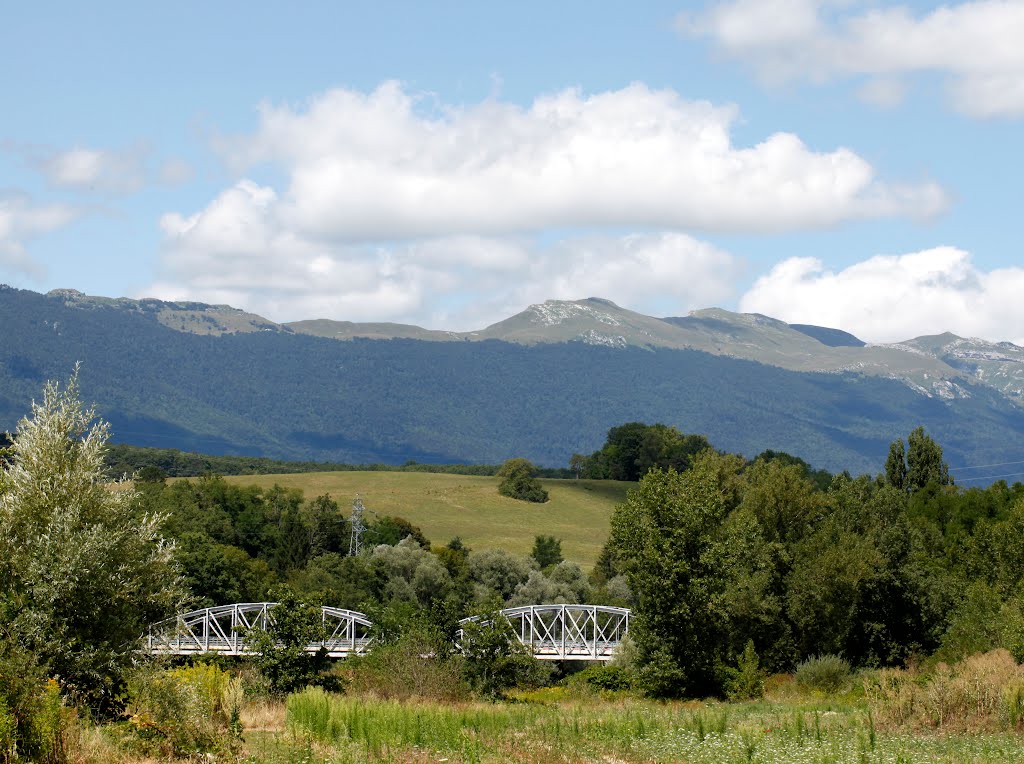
x: 223, y: 629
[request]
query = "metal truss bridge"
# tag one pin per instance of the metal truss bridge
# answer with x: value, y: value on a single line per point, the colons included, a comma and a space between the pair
x: 223, y: 630
x: 567, y: 632
x: 550, y: 632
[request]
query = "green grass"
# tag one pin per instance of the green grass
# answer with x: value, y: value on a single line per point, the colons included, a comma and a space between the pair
x: 468, y: 506
x: 367, y: 729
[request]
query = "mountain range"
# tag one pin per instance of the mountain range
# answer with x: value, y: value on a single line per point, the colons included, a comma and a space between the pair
x: 544, y: 383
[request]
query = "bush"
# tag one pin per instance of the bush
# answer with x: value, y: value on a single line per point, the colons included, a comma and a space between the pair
x: 495, y: 660
x: 519, y: 481
x: 280, y: 649
x: 34, y: 722
x: 746, y: 681
x: 183, y: 711
x: 8, y: 733
x: 601, y: 678
x: 415, y: 665
x: 824, y: 673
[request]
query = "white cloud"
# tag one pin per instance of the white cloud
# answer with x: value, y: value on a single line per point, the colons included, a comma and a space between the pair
x: 387, y: 165
x: 393, y: 207
x: 892, y: 298
x: 883, y: 92
x: 975, y: 44
x: 91, y: 169
x: 108, y: 171
x: 236, y: 251
x: 21, y: 220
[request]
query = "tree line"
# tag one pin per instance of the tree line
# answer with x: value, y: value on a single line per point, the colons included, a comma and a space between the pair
x: 726, y: 556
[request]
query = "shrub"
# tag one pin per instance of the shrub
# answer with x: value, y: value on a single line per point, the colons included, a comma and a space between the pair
x: 34, y: 722
x: 415, y: 665
x: 746, y: 681
x: 547, y: 551
x: 602, y: 678
x: 824, y: 673
x: 51, y: 725
x: 519, y: 481
x: 280, y: 649
x: 183, y: 711
x: 495, y: 660
x: 8, y: 734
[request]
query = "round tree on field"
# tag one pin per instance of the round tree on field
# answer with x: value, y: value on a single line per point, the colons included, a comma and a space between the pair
x: 519, y: 481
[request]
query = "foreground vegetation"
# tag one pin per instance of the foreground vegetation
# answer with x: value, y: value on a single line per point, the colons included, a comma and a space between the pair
x: 574, y: 721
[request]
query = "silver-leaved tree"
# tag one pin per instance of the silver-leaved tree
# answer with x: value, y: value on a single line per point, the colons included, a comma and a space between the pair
x: 82, y: 569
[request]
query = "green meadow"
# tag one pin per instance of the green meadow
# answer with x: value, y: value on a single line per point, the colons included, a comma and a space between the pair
x: 468, y: 506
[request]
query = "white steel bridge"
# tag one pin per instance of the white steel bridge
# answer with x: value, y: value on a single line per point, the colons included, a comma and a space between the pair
x: 223, y: 630
x: 567, y: 632
x: 550, y: 632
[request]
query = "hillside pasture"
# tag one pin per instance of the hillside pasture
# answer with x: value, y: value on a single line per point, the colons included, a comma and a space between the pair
x: 444, y: 506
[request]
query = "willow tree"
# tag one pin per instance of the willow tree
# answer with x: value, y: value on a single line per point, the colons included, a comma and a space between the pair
x: 83, y: 569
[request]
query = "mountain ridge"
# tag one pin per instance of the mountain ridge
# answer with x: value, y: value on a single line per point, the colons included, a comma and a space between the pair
x: 932, y: 365
x: 270, y: 391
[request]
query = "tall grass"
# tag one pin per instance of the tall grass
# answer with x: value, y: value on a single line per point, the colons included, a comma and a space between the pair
x: 981, y: 692
x: 357, y: 729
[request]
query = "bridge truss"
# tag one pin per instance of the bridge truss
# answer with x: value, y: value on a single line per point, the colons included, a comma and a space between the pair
x: 223, y: 630
x: 568, y: 632
x: 550, y: 632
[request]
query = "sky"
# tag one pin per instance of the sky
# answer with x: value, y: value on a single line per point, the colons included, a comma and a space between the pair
x: 846, y: 163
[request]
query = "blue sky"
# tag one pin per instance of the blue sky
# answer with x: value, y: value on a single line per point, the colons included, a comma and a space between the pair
x: 851, y: 164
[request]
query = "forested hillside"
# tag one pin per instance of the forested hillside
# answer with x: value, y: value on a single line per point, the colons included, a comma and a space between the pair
x: 300, y: 397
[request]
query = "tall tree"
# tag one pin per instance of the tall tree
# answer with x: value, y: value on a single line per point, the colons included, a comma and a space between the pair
x: 924, y: 461
x: 896, y: 466
x: 668, y: 536
x: 82, y: 569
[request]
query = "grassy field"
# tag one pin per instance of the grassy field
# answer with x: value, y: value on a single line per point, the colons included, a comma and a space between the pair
x: 335, y: 729
x: 468, y: 506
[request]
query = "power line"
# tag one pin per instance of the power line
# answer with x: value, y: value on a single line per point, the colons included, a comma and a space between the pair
x: 992, y: 477
x: 983, y: 466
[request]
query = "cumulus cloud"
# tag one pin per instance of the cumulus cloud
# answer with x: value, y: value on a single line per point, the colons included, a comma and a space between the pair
x: 21, y: 220
x: 387, y: 164
x: 391, y: 206
x: 975, y: 44
x: 235, y: 251
x: 888, y: 298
